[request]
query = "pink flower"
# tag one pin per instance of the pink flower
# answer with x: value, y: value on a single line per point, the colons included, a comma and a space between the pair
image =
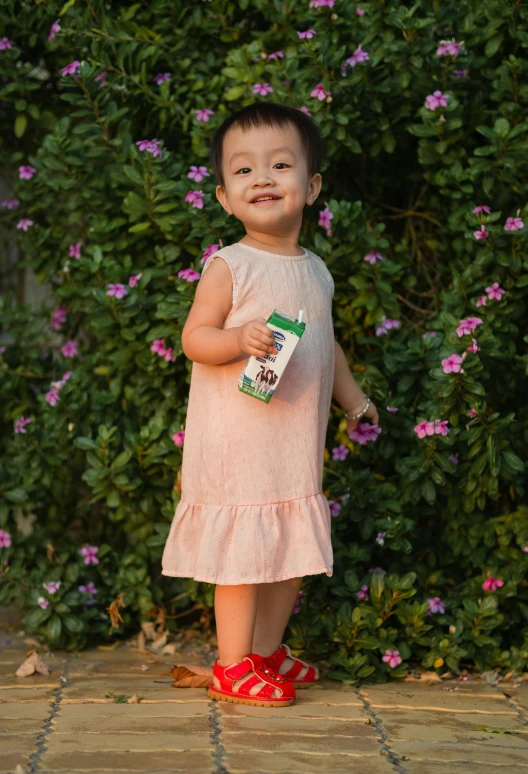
x: 144, y: 667
x: 429, y: 333
x: 304, y: 109
x: 365, y: 432
x: 492, y: 584
x: 198, y: 173
x: 335, y: 507
x: 436, y: 605
x: 195, y: 198
x: 209, y: 250
x: 169, y: 355
x: 307, y: 34
x: 481, y: 300
x: 297, y: 603
x: 372, y: 257
x: 319, y: 93
x: 525, y: 549
x: 118, y: 290
x: 363, y: 594
x: 52, y: 397
x: 276, y: 55
x: 392, y: 657
x: 380, y: 538
x: 449, y: 48
x: 55, y: 27
x: 392, y: 409
x: 513, y: 224
x: 440, y: 426
x: 151, y: 146
x: 385, y: 325
x: 360, y: 11
x: 43, y: 602
x: 99, y: 77
x: 481, y: 208
x: 466, y: 326
x: 88, y: 589
x: 452, y: 364
x: 161, y: 78
x: 58, y: 318
x: 26, y: 172
x: 69, y: 349
x: 71, y: 69
x: 10, y: 204
x: 495, y: 292
x: 435, y: 100
x: 133, y: 281
x: 262, y: 88
x: 5, y: 43
x: 325, y: 218
x: 90, y: 554
x: 357, y: 57
x: 179, y: 438
x: 189, y: 274
x: 24, y: 224
x: 321, y: 3
x: 5, y: 539
x: 453, y: 458
x: 472, y: 413
x: 481, y: 233
x: 21, y: 423
x: 340, y: 452
x: 424, y: 428
x: 460, y: 73
x: 158, y: 347
x: 52, y: 586
x: 473, y: 347
x: 75, y: 250
x: 203, y: 114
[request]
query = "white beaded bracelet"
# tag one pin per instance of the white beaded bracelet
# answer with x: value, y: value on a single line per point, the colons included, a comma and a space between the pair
x: 358, y: 416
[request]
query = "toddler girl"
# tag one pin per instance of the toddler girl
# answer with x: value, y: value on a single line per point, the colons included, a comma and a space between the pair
x: 252, y: 517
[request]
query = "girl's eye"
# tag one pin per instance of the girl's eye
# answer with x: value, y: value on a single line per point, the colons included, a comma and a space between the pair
x: 279, y: 163
x: 243, y: 169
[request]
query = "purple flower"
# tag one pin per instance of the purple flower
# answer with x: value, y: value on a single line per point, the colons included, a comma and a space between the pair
x: 151, y: 146
x: 71, y: 69
x: 325, y: 218
x: 52, y: 586
x: 26, y: 172
x: 75, y: 250
x: 429, y: 333
x: 393, y: 409
x: 513, y: 224
x: 118, y: 290
x: 133, y: 281
x: 307, y: 34
x: 99, y: 78
x: 357, y: 57
x: 365, y: 432
x: 58, y: 318
x: 88, y: 589
x: 363, y: 594
x: 195, y: 198
x: 90, y: 554
x: 55, y: 27
x: 453, y: 458
x: 435, y: 100
x: 335, y: 507
x: 372, y: 257
x: 276, y: 55
x: 436, y: 605
x: 262, y: 89
x: 297, y: 603
x: 380, y: 538
x: 69, y: 349
x: 5, y: 43
x: 43, y: 602
x: 5, y: 539
x: 209, y: 250
x: 447, y: 48
x: 481, y: 208
x: 10, y: 204
x: 386, y: 325
x: 24, y: 224
x: 340, y: 452
x: 21, y: 423
x: 460, y: 73
x: 189, y: 274
x: 198, y: 173
x: 161, y: 78
x: 392, y: 657
x: 203, y: 114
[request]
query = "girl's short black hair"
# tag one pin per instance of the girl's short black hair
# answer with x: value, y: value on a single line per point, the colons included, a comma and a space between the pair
x: 270, y: 114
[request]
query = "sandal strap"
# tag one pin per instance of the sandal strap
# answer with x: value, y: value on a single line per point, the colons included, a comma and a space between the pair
x: 284, y: 652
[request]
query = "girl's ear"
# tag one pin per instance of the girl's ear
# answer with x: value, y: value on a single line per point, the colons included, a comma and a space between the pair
x: 314, y: 188
x: 221, y: 195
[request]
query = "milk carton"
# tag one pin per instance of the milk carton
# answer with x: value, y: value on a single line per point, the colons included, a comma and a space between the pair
x: 261, y: 375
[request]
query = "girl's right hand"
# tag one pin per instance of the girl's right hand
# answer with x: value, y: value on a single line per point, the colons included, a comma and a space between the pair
x: 256, y: 338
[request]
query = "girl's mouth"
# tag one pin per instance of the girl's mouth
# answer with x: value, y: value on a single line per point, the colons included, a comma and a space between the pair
x: 265, y: 200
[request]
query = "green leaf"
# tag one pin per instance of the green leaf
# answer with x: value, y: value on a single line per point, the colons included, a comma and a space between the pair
x: 513, y: 461
x: 54, y: 629
x: 20, y: 125
x: 493, y: 45
x: 139, y: 227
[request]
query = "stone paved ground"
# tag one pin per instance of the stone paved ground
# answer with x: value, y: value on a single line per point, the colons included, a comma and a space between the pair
x: 64, y: 723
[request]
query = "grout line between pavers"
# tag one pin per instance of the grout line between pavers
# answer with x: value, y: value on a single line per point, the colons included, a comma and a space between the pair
x: 386, y: 749
x: 512, y: 702
x: 34, y: 764
x: 219, y: 751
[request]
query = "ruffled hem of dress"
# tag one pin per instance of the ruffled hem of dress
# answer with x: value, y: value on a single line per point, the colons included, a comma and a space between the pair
x: 253, y: 543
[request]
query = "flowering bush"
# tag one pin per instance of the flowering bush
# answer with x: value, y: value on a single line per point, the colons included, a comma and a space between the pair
x: 108, y: 116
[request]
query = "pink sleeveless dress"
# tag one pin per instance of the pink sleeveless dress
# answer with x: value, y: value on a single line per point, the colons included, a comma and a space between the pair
x: 252, y: 509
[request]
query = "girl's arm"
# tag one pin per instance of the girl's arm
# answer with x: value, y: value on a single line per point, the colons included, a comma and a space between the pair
x: 203, y: 339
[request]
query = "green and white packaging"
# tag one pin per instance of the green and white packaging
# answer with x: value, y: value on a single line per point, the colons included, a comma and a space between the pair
x: 261, y: 375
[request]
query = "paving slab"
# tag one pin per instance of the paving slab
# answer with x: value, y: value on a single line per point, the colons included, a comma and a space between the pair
x: 432, y: 726
x: 192, y: 761
x: 481, y: 751
x: 263, y: 762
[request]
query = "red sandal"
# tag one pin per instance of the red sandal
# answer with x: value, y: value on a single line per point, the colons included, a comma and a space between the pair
x: 311, y: 676
x: 274, y: 689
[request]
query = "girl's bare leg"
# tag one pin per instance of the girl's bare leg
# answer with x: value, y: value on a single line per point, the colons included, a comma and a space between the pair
x: 274, y: 607
x: 235, y: 613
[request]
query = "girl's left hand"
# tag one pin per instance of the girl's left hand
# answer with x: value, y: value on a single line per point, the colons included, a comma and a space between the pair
x: 372, y: 413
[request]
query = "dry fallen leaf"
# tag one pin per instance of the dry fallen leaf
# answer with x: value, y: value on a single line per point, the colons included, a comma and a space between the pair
x: 158, y: 644
x: 32, y: 665
x: 133, y: 699
x: 191, y: 676
x: 430, y: 677
x: 149, y: 630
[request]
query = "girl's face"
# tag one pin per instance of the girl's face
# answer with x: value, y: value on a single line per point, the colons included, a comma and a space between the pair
x: 266, y: 178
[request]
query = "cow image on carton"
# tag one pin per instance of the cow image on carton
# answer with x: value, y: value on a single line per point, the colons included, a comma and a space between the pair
x: 261, y: 375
